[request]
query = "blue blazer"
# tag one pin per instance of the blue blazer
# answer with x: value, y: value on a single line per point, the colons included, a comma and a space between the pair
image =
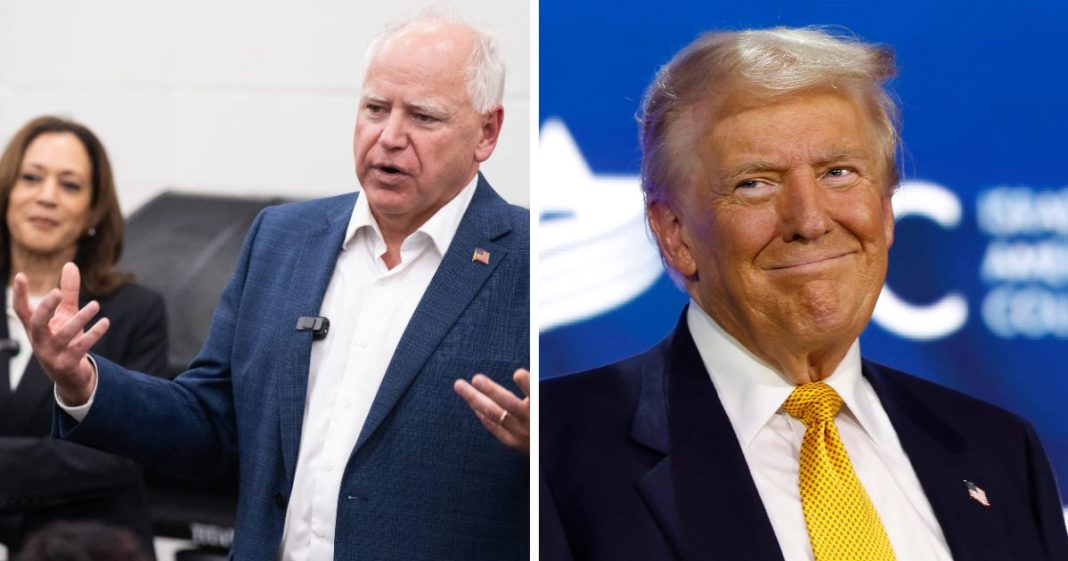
x: 425, y: 480
x: 639, y: 461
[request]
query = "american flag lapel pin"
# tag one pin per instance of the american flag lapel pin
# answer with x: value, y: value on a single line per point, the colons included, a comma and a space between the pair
x: 976, y: 493
x: 481, y: 255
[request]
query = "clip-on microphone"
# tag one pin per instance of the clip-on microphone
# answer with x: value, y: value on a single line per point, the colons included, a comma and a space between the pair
x: 318, y: 325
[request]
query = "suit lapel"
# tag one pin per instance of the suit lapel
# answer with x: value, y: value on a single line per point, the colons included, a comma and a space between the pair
x: 701, y: 493
x: 31, y: 402
x: 454, y: 285
x: 937, y: 454
x: 312, y: 271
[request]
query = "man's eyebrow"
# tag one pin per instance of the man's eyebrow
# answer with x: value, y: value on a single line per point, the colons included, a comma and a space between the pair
x: 373, y: 97
x: 426, y: 107
x: 418, y: 106
x: 757, y: 165
x: 750, y: 166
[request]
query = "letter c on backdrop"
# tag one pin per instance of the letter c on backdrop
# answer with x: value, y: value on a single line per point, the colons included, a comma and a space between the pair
x: 947, y: 315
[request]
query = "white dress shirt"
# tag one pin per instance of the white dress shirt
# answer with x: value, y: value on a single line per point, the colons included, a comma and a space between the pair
x: 369, y: 306
x: 753, y: 392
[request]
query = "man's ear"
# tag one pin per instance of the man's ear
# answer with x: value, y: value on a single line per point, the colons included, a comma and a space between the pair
x: 888, y: 220
x: 671, y: 237
x: 490, y: 129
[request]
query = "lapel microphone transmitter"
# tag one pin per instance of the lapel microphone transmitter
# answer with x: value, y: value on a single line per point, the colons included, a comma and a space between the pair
x: 318, y: 325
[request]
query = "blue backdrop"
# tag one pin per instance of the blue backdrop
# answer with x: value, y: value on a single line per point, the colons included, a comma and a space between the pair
x: 977, y: 293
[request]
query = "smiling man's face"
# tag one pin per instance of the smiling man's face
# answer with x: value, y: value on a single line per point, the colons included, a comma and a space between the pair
x: 418, y: 139
x: 784, y: 230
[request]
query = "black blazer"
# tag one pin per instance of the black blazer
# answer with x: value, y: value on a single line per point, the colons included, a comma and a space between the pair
x: 639, y: 461
x: 41, y: 479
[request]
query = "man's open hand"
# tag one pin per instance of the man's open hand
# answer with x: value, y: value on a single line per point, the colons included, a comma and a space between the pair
x: 56, y: 329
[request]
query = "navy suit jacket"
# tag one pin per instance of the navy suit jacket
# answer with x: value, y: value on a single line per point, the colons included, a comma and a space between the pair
x: 424, y: 480
x: 639, y: 461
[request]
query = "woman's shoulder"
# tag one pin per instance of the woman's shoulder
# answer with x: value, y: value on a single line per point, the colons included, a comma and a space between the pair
x: 131, y: 295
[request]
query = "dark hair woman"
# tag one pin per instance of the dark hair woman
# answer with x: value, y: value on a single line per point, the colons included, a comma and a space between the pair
x: 58, y: 203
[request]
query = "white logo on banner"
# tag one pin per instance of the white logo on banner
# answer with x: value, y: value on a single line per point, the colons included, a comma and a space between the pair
x: 595, y: 251
x: 948, y: 314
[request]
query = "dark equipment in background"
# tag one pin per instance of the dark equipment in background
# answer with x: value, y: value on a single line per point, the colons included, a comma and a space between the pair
x: 186, y: 247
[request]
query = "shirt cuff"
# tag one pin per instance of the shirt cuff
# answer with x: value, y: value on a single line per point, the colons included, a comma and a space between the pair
x: 78, y: 412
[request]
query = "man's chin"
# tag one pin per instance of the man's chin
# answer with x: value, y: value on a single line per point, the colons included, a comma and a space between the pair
x: 386, y: 200
x: 826, y: 329
x: 822, y: 314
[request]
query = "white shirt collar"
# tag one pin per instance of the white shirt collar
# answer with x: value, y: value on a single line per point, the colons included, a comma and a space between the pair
x: 752, y: 391
x: 440, y: 228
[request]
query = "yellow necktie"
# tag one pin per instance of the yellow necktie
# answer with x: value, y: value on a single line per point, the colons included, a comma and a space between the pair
x: 842, y: 523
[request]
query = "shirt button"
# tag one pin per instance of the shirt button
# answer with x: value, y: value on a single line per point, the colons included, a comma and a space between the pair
x: 279, y: 500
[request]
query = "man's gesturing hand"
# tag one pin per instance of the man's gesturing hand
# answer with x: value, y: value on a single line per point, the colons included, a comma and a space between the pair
x: 56, y: 329
x: 502, y: 413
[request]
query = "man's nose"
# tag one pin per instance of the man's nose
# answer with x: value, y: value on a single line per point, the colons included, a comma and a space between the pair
x: 803, y: 208
x: 394, y: 132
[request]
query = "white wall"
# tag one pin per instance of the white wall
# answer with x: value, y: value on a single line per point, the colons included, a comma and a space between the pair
x: 244, y: 97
